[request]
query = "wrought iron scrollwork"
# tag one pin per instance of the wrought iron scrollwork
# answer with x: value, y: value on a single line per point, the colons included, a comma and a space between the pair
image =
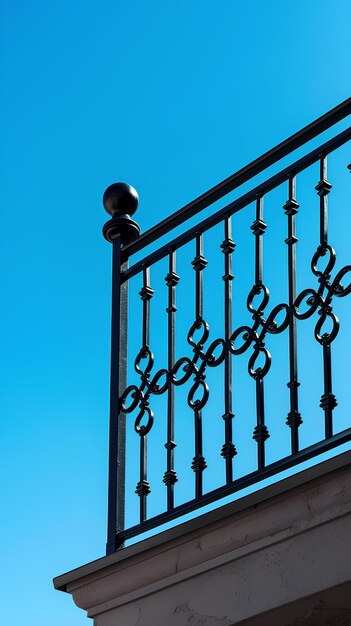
x: 210, y: 354
x: 256, y: 335
x: 170, y: 475
x: 179, y: 373
x: 320, y: 300
x: 199, y: 391
x: 141, y: 395
x: 196, y: 366
x: 191, y: 370
x: 228, y: 450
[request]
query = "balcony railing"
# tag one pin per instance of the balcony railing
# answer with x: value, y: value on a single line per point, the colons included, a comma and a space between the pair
x: 326, y: 283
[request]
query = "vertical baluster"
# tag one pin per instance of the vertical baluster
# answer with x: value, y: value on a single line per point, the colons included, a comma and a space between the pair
x: 294, y: 418
x: 261, y: 431
x: 260, y: 434
x: 146, y: 294
x: 199, y: 263
x: 143, y: 486
x: 170, y: 476
x: 323, y: 188
x: 328, y: 400
x: 228, y: 449
x: 258, y: 228
x: 199, y: 464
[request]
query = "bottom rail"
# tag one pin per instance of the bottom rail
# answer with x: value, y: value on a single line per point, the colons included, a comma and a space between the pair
x: 245, y: 481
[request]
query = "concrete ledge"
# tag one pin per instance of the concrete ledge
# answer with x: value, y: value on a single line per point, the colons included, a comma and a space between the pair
x: 266, y: 551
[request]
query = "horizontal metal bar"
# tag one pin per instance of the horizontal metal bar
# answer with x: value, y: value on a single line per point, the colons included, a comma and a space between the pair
x: 240, y: 203
x: 237, y: 485
x: 241, y: 176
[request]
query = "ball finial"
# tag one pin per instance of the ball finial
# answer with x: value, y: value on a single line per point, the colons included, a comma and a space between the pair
x: 121, y: 201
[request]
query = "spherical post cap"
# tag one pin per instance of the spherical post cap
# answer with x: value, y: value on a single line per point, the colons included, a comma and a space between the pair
x: 120, y: 199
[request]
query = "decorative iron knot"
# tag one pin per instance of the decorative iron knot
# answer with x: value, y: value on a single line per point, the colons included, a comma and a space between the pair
x: 141, y: 395
x: 197, y: 338
x: 135, y: 396
x: 321, y: 299
x: 255, y: 335
x: 120, y: 201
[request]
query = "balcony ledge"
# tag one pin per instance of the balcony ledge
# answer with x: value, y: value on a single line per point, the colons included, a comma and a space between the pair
x: 277, y: 557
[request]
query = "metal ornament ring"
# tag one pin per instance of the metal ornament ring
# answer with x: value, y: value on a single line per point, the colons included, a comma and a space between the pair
x: 200, y: 402
x: 312, y: 300
x: 135, y: 393
x: 188, y: 368
x: 260, y: 372
x: 319, y: 254
x: 256, y: 290
x: 144, y: 353
x: 196, y: 326
x: 326, y: 338
x: 248, y: 335
x: 143, y: 429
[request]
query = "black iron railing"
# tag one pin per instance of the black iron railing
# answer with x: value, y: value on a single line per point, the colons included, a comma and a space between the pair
x: 121, y: 201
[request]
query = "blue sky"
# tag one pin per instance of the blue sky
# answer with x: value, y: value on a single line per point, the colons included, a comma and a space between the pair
x: 171, y: 97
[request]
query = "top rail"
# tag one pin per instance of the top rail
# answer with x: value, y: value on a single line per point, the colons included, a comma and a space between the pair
x: 239, y: 203
x: 241, y: 176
